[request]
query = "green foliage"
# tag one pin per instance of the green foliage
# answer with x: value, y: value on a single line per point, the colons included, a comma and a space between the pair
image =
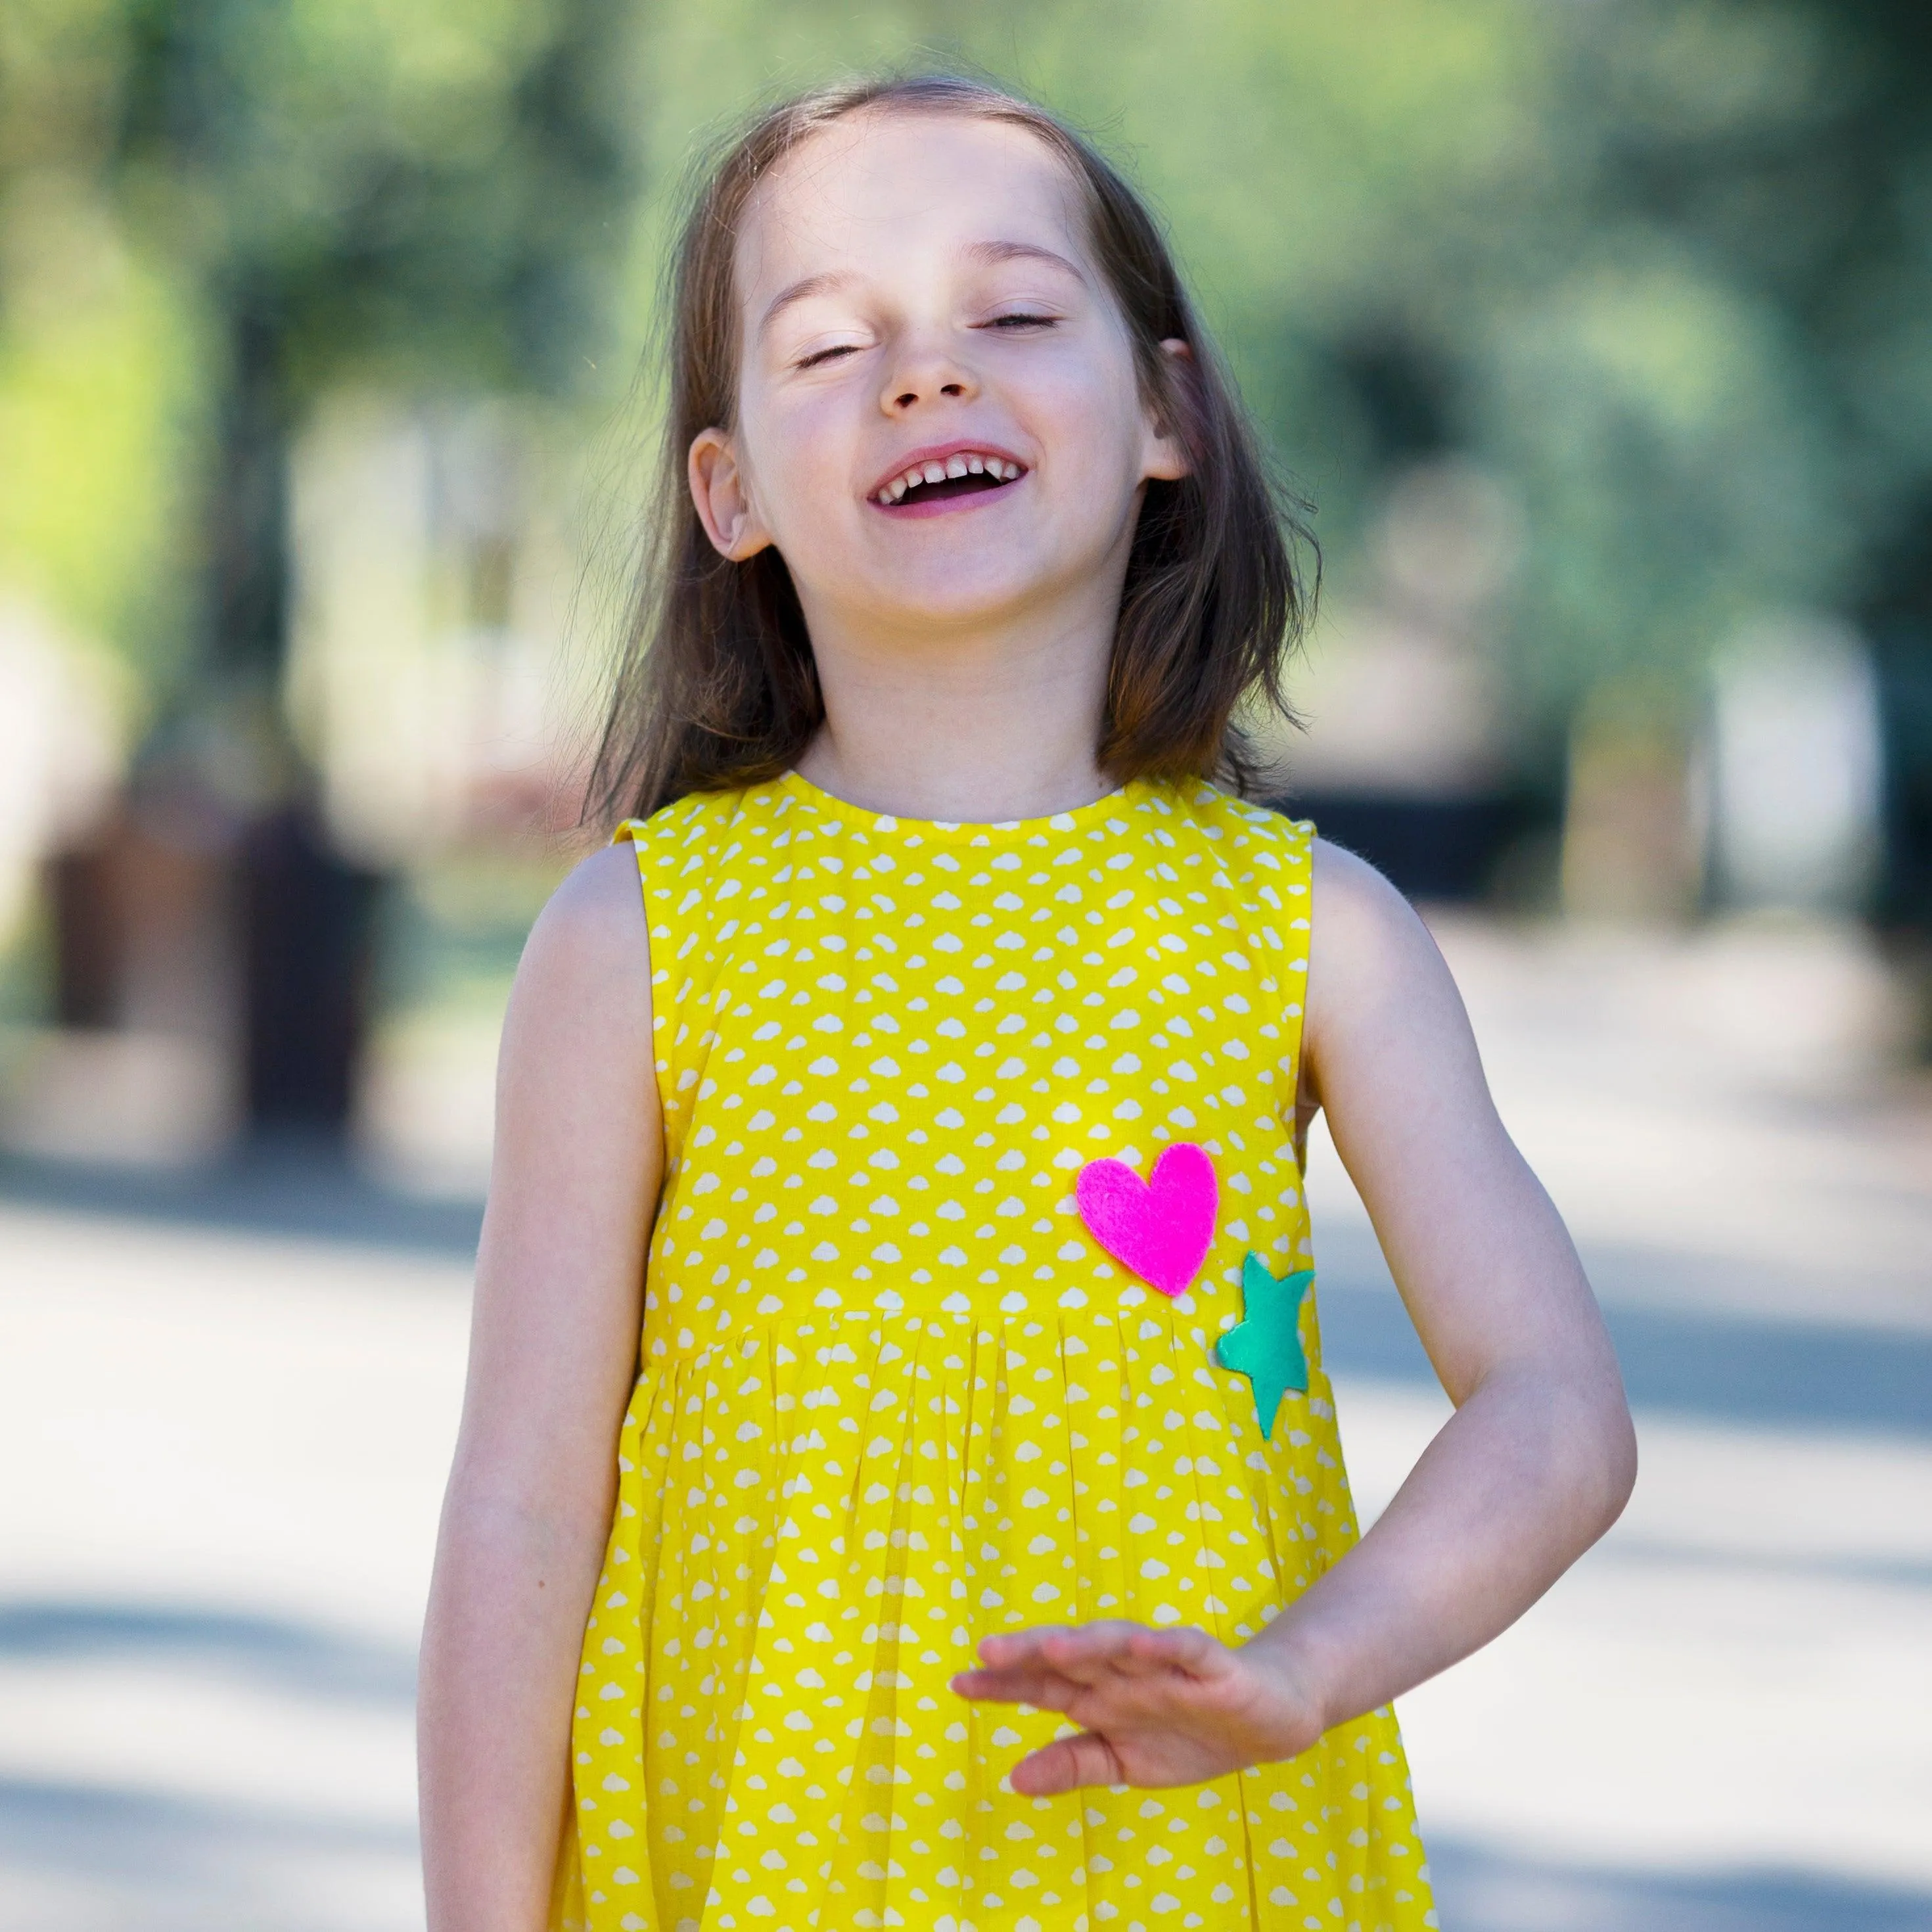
x: 99, y: 393
x: 1653, y: 420
x: 264, y: 198
x: 414, y: 189
x: 99, y: 383
x: 1660, y: 266
x: 1319, y: 179
x: 1559, y: 240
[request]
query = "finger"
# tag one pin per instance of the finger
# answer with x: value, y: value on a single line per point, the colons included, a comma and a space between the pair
x: 1163, y: 1695
x: 1105, y: 1637
x: 1141, y: 1652
x: 1046, y: 1690
x: 1067, y: 1764
x: 1184, y: 1647
x: 1105, y: 1657
x: 1093, y: 1656
x: 1009, y: 1647
x: 1095, y: 1651
x: 1113, y: 1705
x: 1089, y: 1653
x: 1108, y: 1632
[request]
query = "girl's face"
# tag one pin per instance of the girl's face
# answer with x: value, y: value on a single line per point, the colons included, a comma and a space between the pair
x: 939, y: 419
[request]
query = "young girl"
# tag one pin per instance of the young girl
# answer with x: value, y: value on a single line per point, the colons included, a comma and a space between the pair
x: 966, y: 1544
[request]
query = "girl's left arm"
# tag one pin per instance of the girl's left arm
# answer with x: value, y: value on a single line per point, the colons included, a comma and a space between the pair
x: 1536, y: 1463
x: 1540, y: 1456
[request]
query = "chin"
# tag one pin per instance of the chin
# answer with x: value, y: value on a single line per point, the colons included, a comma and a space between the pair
x: 991, y: 588
x: 953, y: 601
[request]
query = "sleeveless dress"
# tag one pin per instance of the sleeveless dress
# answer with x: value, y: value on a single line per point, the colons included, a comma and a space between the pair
x: 895, y: 1392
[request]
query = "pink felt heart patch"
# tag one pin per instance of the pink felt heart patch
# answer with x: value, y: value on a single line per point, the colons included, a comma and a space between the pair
x: 1158, y: 1228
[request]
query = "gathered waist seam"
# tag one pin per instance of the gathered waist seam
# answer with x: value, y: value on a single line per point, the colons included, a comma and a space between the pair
x: 1146, y: 1321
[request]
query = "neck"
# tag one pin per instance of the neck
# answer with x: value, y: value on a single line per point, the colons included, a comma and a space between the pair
x: 977, y: 726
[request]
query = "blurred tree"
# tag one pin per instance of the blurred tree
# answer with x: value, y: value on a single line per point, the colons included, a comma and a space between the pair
x: 1657, y: 266
x: 99, y: 359
x: 1786, y: 147
x: 425, y: 195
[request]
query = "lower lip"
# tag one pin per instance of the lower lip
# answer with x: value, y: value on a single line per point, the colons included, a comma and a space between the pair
x: 940, y: 506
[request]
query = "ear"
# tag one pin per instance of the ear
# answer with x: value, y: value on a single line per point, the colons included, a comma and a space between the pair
x: 721, y: 492
x: 1165, y: 458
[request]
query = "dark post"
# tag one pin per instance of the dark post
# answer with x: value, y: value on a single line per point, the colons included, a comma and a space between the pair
x: 307, y: 929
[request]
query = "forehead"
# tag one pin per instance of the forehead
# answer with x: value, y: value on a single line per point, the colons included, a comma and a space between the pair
x: 884, y: 189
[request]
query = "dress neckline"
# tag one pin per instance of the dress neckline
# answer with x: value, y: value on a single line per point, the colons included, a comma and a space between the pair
x: 794, y: 784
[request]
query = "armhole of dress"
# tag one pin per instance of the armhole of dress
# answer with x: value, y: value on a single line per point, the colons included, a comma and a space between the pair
x: 1304, y: 875
x: 631, y: 832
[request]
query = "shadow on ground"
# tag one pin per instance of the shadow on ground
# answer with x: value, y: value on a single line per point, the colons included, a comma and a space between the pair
x: 1480, y: 1891
x: 76, y: 1854
x: 146, y: 1862
x: 1717, y: 1364
x: 296, y: 1188
x: 1704, y: 1363
x: 285, y: 1657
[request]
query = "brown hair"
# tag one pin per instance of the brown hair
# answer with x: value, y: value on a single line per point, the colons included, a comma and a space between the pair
x: 716, y: 686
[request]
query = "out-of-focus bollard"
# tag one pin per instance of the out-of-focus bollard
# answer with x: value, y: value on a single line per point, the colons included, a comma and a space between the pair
x: 1632, y: 820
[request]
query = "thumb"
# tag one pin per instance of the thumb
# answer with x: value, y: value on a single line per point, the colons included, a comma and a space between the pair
x: 1067, y: 1763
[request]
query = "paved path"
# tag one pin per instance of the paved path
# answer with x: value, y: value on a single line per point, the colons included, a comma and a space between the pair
x: 225, y: 1415
x: 1719, y: 1720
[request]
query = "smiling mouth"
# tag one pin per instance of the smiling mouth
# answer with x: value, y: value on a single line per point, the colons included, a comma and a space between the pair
x: 968, y: 474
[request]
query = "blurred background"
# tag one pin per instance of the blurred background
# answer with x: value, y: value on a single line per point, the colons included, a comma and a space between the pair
x: 1595, y: 330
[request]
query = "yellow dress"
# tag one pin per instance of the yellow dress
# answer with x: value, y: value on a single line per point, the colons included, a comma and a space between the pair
x: 895, y: 1394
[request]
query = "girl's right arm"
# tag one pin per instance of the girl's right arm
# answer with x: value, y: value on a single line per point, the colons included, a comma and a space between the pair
x: 553, y: 1355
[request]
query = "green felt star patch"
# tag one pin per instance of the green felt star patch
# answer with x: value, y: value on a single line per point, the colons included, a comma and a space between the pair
x: 1265, y: 1345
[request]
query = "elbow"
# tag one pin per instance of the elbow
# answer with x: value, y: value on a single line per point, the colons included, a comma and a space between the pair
x: 522, y: 1515
x: 1620, y: 1458
x: 1605, y: 1471
x: 1582, y: 1442
x: 1598, y: 1422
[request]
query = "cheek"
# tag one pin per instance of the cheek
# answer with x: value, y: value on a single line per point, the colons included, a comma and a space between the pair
x: 1093, y: 411
x: 794, y: 452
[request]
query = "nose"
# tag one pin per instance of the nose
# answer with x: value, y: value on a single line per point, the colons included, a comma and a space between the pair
x: 923, y: 371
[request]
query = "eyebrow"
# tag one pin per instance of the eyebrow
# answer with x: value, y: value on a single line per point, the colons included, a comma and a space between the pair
x: 1024, y: 251
x: 809, y: 286
x: 802, y: 290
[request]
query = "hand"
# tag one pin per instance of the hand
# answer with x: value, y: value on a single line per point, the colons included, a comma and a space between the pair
x: 1173, y: 1705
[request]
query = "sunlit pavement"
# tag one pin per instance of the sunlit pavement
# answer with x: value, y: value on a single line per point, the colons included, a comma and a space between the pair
x: 225, y: 1414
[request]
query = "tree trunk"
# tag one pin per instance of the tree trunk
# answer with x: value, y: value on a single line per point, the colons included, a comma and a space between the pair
x: 306, y: 930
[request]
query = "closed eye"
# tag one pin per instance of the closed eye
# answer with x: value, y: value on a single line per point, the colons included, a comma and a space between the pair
x: 819, y: 356
x: 1018, y: 318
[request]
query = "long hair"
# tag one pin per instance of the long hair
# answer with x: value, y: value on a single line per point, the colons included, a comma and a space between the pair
x: 715, y: 686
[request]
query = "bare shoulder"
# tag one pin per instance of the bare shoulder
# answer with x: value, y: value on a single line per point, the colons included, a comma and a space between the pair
x: 1359, y: 923
x: 595, y: 919
x: 588, y: 956
x: 574, y: 1176
x: 600, y: 901
x: 1374, y: 972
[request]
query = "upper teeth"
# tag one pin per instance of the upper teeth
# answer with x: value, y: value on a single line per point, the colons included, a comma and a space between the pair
x: 971, y: 463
